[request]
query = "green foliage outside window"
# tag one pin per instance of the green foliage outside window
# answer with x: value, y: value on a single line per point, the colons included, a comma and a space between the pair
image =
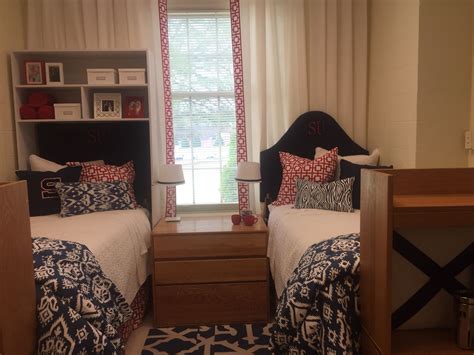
x: 228, y: 183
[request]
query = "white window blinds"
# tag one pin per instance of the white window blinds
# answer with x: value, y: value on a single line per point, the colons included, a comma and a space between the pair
x: 202, y: 85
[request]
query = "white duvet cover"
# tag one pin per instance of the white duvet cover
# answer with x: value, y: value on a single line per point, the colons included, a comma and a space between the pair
x: 292, y: 231
x: 120, y: 241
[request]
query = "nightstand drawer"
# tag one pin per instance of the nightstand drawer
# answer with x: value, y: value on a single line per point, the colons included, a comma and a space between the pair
x: 207, y: 271
x: 211, y: 304
x: 210, y: 245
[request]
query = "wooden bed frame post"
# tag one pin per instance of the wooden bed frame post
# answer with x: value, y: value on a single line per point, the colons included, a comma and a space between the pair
x: 376, y: 249
x: 17, y: 286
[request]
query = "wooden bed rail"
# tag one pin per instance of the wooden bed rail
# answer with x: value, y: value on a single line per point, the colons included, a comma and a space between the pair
x: 17, y: 288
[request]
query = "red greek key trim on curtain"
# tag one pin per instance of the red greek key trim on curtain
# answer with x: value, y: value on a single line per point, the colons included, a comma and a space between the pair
x: 239, y: 97
x: 165, y: 58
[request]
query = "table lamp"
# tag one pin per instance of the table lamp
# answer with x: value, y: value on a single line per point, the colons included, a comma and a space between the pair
x: 172, y: 175
x: 248, y: 172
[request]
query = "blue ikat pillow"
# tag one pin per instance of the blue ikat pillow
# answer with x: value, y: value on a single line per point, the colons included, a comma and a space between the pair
x: 82, y: 197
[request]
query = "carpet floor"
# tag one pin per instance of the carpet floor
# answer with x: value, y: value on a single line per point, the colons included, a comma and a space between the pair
x: 209, y: 340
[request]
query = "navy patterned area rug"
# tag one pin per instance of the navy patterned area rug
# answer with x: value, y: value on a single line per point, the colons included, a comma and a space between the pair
x: 209, y: 340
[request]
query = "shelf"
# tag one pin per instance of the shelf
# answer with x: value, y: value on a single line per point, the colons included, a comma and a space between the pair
x: 86, y: 86
x: 87, y: 120
x: 116, y: 86
x: 74, y: 53
x: 44, y: 86
x: 424, y: 342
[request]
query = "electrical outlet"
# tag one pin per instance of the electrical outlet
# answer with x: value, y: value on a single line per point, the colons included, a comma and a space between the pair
x: 467, y: 140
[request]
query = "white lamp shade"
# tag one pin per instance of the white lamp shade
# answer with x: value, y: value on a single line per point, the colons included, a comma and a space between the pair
x: 248, y: 171
x: 170, y: 174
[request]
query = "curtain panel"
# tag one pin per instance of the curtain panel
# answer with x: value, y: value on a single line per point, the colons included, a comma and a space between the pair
x: 241, y: 134
x: 91, y: 24
x: 302, y: 55
x: 107, y: 24
x: 170, y: 208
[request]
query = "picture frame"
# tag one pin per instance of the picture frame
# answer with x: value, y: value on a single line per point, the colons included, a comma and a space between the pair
x: 107, y: 105
x: 134, y: 107
x: 54, y: 74
x: 34, y: 72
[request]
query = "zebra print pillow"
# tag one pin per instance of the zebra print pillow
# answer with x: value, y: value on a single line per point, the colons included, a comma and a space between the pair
x: 333, y: 196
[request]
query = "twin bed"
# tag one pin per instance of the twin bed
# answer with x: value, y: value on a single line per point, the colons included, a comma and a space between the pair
x: 97, y: 299
x: 90, y: 270
x: 316, y: 276
x: 292, y: 231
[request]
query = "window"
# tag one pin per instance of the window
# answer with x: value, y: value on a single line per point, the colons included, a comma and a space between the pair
x: 202, y: 85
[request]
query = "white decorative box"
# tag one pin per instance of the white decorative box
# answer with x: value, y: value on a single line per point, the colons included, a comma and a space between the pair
x: 101, y: 76
x: 67, y: 111
x: 132, y: 76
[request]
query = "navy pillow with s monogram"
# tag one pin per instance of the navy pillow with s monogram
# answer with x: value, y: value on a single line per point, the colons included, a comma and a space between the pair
x: 42, y: 194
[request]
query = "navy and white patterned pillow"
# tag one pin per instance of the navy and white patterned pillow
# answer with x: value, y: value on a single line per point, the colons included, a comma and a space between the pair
x: 333, y: 196
x: 83, y: 197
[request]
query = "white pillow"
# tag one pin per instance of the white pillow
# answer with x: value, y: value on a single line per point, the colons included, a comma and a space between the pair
x: 372, y: 159
x: 39, y: 164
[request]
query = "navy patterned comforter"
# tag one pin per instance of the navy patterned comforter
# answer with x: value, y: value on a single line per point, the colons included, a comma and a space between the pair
x: 318, y: 310
x: 79, y: 309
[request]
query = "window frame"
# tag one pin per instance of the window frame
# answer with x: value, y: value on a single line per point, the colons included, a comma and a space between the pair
x: 203, y: 208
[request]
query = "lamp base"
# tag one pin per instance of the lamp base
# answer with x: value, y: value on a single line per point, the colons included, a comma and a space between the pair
x: 173, y: 219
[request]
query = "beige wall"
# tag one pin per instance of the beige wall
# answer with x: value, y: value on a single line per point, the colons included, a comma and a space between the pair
x: 444, y: 83
x: 393, y: 84
x: 12, y: 36
x: 419, y: 104
x: 420, y: 68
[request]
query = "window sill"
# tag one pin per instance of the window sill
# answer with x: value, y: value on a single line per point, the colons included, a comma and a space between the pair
x: 207, y: 210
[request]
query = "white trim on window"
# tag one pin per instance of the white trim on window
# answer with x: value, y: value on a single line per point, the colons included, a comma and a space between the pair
x: 198, y: 5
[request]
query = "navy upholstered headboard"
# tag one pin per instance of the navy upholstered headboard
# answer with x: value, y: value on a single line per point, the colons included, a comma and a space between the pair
x: 114, y: 142
x: 310, y: 130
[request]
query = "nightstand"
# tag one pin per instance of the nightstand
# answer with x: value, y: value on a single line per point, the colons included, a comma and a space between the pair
x: 208, y: 271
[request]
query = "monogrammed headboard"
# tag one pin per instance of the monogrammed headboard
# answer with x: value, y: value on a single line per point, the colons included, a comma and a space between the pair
x: 310, y: 130
x: 114, y: 142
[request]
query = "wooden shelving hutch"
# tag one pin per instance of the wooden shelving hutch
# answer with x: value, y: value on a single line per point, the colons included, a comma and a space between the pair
x: 395, y: 199
x: 144, y: 131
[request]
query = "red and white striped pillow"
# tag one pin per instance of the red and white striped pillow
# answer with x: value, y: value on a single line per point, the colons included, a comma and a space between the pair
x: 294, y: 167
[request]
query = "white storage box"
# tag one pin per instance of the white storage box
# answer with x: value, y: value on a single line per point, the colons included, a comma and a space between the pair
x: 101, y: 76
x: 67, y: 111
x: 132, y: 76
